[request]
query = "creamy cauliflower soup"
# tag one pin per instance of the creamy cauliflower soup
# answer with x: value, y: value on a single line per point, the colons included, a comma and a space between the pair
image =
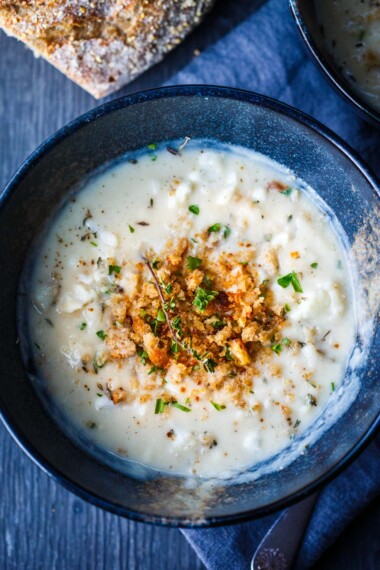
x: 191, y: 309
x: 352, y: 33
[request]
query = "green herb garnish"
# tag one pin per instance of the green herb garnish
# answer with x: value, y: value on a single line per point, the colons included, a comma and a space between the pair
x: 193, y: 262
x: 155, y: 263
x: 160, y: 406
x: 218, y: 407
x: 286, y: 341
x: 114, y: 269
x: 176, y: 323
x: 276, y: 348
x: 161, y: 316
x: 287, y: 191
x: 314, y: 265
x: 218, y: 324
x: 168, y: 288
x: 228, y: 356
x: 209, y: 365
x: 226, y: 231
x: 332, y: 387
x: 143, y: 355
x: 214, y: 228
x: 131, y: 229
x: 175, y: 347
x: 82, y: 326
x: 194, y: 209
x: 180, y: 407
x: 94, y: 243
x: 156, y: 369
x: 152, y: 146
x: 203, y: 298
x: 101, y: 334
x: 96, y: 365
x: 292, y: 278
x: 287, y: 308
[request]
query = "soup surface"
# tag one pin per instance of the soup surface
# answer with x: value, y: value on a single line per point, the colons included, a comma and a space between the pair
x: 352, y: 33
x: 190, y: 309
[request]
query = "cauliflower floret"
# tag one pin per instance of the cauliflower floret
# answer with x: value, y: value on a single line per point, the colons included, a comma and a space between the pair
x: 75, y: 300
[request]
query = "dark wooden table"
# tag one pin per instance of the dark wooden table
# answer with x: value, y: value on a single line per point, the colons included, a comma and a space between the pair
x: 43, y: 526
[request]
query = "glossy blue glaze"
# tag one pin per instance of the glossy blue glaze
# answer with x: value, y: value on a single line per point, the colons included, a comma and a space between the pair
x: 106, y: 134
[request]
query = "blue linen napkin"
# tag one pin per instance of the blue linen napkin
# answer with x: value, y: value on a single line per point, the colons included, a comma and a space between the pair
x: 266, y: 55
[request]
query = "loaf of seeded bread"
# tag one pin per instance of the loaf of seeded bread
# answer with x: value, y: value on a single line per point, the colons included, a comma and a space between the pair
x: 101, y: 44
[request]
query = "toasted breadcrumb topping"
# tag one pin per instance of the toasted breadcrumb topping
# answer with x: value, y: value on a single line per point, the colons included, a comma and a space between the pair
x: 196, y: 314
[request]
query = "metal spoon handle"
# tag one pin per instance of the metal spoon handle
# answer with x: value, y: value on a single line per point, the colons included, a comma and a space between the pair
x: 279, y: 547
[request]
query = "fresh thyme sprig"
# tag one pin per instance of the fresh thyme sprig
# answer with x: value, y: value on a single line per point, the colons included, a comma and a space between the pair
x: 175, y: 336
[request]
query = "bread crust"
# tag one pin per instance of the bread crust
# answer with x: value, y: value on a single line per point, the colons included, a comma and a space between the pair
x: 101, y: 44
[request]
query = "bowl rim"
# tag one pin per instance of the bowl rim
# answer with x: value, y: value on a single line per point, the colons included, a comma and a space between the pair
x: 21, y: 438
x: 336, y: 80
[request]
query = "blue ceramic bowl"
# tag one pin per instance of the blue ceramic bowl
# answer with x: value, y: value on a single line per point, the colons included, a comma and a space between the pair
x: 305, y: 15
x: 227, y: 116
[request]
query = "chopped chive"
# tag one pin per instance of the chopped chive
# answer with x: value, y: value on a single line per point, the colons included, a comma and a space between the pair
x: 314, y: 265
x: 151, y: 202
x: 114, y: 269
x: 193, y: 240
x: 194, y: 209
x: 287, y: 191
x: 196, y: 367
x: 286, y: 341
x: 332, y: 387
x: 218, y: 407
x: 209, y: 365
x: 214, y: 228
x: 226, y: 231
x: 94, y: 243
x: 168, y: 288
x: 296, y: 423
x: 276, y: 348
x: 99, y: 395
x: 193, y: 262
x: 155, y: 263
x: 83, y: 326
x: 143, y: 355
x: 131, y: 229
x: 180, y: 407
x: 287, y: 308
x: 143, y: 313
x: 101, y: 334
x: 153, y: 158
x: 292, y: 278
x: 152, y: 146
x: 175, y: 347
x: 228, y: 356
x: 156, y: 369
x: 160, y: 406
x: 243, y: 263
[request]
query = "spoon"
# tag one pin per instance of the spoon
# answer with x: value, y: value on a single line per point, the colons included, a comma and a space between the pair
x: 280, y: 545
